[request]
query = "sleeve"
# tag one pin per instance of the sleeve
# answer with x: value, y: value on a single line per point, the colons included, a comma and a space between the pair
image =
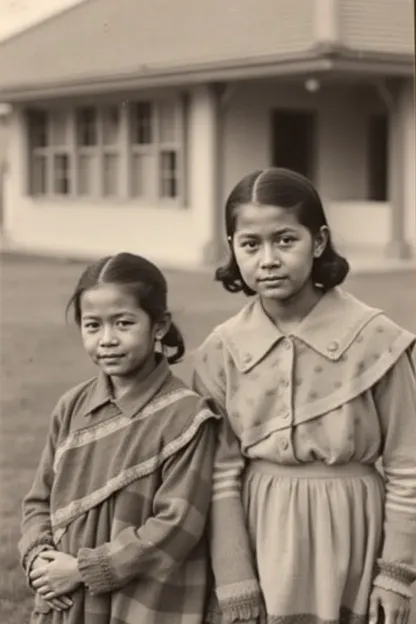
x: 36, y: 525
x: 395, y: 398
x: 180, y: 505
x: 237, y: 592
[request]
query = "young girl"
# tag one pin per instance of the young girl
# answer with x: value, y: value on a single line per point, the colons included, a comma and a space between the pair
x: 315, y: 386
x: 113, y: 525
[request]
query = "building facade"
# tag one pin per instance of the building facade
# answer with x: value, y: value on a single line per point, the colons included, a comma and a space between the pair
x: 127, y: 142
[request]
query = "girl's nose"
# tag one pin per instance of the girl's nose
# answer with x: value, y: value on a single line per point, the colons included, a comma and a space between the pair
x: 270, y: 256
x: 108, y: 337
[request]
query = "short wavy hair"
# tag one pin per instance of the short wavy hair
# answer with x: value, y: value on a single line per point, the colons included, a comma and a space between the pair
x: 287, y: 189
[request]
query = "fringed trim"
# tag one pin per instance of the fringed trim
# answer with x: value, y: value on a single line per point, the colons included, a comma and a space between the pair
x: 397, y: 571
x: 247, y: 609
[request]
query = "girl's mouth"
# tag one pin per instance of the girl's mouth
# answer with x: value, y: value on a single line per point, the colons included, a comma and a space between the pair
x: 272, y: 280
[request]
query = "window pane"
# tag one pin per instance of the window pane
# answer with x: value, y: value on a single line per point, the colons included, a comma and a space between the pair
x: 86, y: 120
x: 142, y: 175
x: 87, y: 174
x: 142, y: 115
x: 111, y: 125
x: 38, y: 183
x: 167, y: 122
x: 59, y: 128
x: 168, y: 174
x: 38, y: 128
x: 110, y: 173
x: 61, y: 174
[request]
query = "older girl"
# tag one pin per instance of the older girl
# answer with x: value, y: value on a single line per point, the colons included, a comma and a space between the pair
x: 314, y: 386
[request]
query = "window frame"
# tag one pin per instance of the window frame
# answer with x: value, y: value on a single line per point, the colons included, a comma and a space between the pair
x: 123, y: 148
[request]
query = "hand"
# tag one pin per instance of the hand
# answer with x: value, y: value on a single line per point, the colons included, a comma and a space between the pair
x: 59, y: 575
x: 57, y: 604
x: 396, y: 608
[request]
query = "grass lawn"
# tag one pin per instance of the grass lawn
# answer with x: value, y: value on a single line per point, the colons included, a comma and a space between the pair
x: 42, y: 357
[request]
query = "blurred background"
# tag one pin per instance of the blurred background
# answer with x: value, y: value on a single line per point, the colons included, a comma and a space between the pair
x: 125, y: 124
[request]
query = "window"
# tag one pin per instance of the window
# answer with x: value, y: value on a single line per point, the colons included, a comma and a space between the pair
x: 87, y: 152
x: 142, y: 118
x: 110, y: 123
x: 108, y: 151
x: 49, y: 155
x: 156, y: 149
x: 86, y: 119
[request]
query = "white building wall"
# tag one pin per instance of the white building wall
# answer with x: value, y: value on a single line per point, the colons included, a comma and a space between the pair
x: 410, y: 163
x: 341, y: 149
x: 171, y: 235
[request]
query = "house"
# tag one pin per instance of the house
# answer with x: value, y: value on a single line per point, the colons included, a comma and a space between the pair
x: 132, y: 120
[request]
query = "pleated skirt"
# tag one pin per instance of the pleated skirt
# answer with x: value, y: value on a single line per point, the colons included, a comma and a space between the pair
x: 316, y: 531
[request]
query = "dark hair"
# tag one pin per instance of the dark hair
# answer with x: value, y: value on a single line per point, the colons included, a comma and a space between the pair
x: 144, y: 280
x: 286, y: 189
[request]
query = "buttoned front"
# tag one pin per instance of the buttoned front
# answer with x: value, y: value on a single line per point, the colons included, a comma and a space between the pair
x: 339, y: 390
x: 306, y: 396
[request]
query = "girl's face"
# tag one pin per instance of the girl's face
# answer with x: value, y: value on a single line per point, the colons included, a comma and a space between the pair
x: 274, y: 252
x: 117, y: 334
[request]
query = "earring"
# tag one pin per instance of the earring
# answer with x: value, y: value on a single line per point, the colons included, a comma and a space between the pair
x: 158, y: 342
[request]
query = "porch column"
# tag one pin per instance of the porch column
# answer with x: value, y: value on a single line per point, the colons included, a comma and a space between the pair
x: 206, y: 168
x: 398, y: 246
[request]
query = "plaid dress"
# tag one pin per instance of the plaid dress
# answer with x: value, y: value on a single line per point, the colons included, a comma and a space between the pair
x: 125, y: 487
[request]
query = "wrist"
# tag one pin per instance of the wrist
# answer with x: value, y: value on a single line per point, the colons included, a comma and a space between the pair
x: 76, y: 574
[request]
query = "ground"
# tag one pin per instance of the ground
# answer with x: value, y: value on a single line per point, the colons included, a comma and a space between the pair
x: 41, y: 357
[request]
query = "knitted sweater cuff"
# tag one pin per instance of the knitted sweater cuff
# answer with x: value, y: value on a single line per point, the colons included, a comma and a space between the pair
x: 397, y: 577
x: 31, y: 554
x: 95, y: 571
x: 238, y: 602
x: 245, y: 610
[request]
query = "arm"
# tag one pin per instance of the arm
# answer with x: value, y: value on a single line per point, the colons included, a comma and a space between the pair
x: 238, y: 594
x: 166, y: 539
x: 395, y: 397
x: 36, y: 526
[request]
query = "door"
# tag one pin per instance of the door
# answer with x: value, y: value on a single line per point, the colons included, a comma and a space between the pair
x: 293, y: 140
x: 378, y: 158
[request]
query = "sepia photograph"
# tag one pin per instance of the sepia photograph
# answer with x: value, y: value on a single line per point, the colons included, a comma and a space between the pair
x: 207, y: 312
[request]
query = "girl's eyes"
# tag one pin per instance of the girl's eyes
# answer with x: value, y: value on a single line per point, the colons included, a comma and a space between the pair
x: 249, y: 244
x: 282, y: 241
x: 92, y: 325
x: 124, y: 323
x: 287, y: 240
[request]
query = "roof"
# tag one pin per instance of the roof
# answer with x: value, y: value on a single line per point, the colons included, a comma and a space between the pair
x: 100, y: 41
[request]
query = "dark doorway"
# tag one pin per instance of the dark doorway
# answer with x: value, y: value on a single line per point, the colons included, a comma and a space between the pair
x: 378, y: 130
x: 293, y: 140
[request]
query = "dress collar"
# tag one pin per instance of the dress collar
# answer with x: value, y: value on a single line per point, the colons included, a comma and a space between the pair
x: 135, y: 399
x: 329, y: 328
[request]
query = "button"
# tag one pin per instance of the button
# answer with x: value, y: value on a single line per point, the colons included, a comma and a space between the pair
x: 247, y: 358
x: 285, y: 383
x: 333, y: 346
x: 284, y: 444
x: 286, y: 343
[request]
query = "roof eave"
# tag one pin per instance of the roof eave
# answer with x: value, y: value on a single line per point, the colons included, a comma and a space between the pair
x: 323, y: 61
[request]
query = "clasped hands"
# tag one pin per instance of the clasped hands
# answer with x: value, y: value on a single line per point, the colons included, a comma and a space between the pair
x: 54, y: 575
